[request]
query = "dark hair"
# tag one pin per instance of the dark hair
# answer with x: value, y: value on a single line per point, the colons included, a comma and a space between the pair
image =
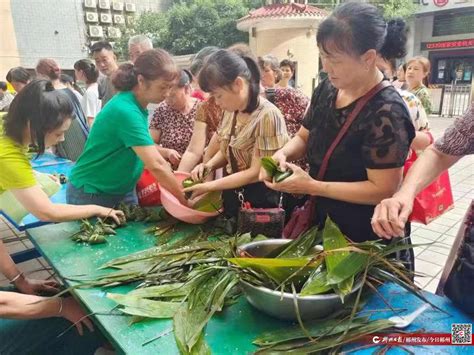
x: 185, y: 78
x: 152, y: 64
x: 354, y: 28
x: 49, y: 68
x: 404, y: 67
x: 223, y: 67
x: 288, y: 63
x: 40, y: 106
x: 18, y: 74
x: 89, y: 69
x: 98, y: 46
x: 3, y: 86
x: 200, y: 57
x: 66, y: 79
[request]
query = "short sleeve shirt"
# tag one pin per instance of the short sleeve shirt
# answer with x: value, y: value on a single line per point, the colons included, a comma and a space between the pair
x: 262, y: 133
x: 176, y: 127
x: 209, y: 113
x: 379, y: 138
x: 109, y: 164
x: 458, y: 139
x: 292, y: 104
x: 16, y: 170
x: 423, y: 94
x: 90, y: 102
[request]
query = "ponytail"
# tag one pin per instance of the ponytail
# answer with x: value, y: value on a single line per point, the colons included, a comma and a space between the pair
x: 254, y: 84
x: 394, y: 46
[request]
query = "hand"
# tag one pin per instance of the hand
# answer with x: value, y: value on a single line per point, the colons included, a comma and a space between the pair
x: 391, y: 215
x: 117, y: 215
x: 54, y: 178
x: 34, y: 287
x: 73, y: 312
x: 200, y: 172
x: 298, y: 183
x: 173, y: 157
x: 280, y: 158
x: 198, y: 190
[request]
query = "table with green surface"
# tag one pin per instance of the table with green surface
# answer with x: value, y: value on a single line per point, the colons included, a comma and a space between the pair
x: 229, y: 332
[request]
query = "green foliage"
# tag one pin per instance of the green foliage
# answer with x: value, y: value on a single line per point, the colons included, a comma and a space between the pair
x: 190, y: 25
x: 399, y: 8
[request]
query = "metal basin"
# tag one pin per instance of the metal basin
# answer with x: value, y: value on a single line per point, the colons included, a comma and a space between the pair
x: 282, y: 305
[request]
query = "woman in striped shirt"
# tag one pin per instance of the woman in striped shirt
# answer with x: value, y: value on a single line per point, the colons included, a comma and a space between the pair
x: 251, y: 128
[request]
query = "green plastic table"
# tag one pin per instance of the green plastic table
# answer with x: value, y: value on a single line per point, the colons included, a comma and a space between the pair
x: 229, y: 332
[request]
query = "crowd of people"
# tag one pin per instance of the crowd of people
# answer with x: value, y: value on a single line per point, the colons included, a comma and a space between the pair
x: 223, y: 114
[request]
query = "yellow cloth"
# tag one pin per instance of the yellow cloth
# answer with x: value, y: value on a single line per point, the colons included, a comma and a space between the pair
x: 16, y: 171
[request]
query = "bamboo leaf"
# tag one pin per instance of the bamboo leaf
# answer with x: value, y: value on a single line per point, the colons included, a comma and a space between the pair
x: 315, y: 329
x: 333, y: 239
x: 210, y: 202
x: 277, y: 269
x: 186, y: 324
x: 302, y: 245
x: 145, y: 307
x: 316, y: 284
x: 167, y: 290
x: 353, y: 264
x: 344, y: 287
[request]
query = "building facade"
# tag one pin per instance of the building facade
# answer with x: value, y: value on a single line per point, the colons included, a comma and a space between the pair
x: 443, y: 31
x: 62, y: 29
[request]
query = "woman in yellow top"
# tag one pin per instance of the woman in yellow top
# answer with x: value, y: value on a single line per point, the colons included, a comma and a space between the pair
x: 251, y: 128
x: 38, y: 115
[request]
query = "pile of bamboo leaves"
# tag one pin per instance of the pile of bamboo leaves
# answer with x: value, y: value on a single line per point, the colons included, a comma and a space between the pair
x: 195, y: 277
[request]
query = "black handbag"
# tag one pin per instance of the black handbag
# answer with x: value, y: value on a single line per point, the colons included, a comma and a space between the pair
x: 459, y: 276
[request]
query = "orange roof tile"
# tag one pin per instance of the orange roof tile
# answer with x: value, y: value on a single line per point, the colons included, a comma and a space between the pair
x: 285, y: 10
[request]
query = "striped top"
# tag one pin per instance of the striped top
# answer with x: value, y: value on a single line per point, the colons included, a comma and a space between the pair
x: 262, y: 132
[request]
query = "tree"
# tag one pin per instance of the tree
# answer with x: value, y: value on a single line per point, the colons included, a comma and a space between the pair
x: 399, y: 8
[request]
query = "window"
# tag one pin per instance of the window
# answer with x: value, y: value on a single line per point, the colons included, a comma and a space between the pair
x: 449, y: 24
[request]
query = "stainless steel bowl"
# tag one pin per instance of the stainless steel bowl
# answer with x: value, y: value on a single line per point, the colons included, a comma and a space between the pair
x: 282, y: 305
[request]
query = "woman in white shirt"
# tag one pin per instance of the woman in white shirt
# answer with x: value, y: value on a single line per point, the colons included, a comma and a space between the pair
x: 87, y: 72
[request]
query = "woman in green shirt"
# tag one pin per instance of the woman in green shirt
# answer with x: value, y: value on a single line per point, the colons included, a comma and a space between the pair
x: 38, y: 115
x: 119, y: 144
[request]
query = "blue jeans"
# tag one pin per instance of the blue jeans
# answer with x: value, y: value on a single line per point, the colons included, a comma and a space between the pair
x: 75, y: 196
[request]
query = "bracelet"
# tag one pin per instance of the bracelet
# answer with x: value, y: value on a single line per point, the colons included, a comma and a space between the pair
x: 12, y: 281
x: 60, y: 306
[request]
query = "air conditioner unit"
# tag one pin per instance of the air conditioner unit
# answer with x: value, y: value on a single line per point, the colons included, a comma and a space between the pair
x: 130, y: 20
x: 92, y: 17
x: 104, y: 4
x: 105, y: 18
x: 117, y: 6
x: 96, y: 31
x: 91, y: 4
x: 119, y: 19
x: 129, y: 7
x: 114, y: 32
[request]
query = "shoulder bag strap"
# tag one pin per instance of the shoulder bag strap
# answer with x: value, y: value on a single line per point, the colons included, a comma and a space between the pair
x: 352, y: 116
x: 232, y: 159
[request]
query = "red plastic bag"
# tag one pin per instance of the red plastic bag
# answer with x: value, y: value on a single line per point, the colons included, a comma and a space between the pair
x: 301, y: 220
x: 148, y: 190
x: 434, y: 200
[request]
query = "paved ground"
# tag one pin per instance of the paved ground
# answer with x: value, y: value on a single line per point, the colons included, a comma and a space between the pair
x: 429, y: 260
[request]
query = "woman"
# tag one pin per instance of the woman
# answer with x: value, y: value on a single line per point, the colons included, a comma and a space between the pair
x: 87, y: 72
x: 18, y: 77
x: 208, y: 118
x: 120, y: 144
x: 291, y: 102
x: 367, y: 165
x: 76, y: 136
x: 287, y: 68
x: 172, y: 124
x: 400, y: 82
x: 391, y: 215
x: 68, y: 81
x: 251, y: 128
x: 417, y: 72
x: 38, y: 115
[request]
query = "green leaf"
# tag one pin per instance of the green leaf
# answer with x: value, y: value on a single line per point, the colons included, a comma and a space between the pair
x: 277, y: 269
x: 145, y: 307
x: 315, y: 329
x: 353, y: 264
x: 167, y: 290
x: 211, y: 202
x: 344, y: 287
x: 186, y: 324
x: 333, y: 239
x: 316, y: 284
x: 302, y: 245
x: 270, y: 165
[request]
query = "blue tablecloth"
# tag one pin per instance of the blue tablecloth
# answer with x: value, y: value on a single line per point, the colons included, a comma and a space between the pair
x: 47, y: 159
x: 431, y: 321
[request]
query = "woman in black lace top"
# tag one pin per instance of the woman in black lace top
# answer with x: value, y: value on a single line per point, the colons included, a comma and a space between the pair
x: 367, y: 165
